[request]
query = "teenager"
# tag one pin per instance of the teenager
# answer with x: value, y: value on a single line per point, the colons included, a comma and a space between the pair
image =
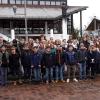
x: 59, y: 64
x: 4, y: 60
x: 93, y: 57
x: 47, y: 62
x: 36, y: 63
x: 71, y: 62
x: 82, y: 57
x: 14, y: 64
x: 26, y: 62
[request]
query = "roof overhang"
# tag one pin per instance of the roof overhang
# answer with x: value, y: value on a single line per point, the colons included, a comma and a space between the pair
x: 38, y: 12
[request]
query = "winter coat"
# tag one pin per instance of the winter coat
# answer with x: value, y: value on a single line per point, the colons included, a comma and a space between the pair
x: 35, y: 59
x: 93, y: 55
x: 81, y: 55
x: 70, y: 58
x: 26, y: 58
x: 4, y: 60
x: 14, y: 60
x: 47, y: 60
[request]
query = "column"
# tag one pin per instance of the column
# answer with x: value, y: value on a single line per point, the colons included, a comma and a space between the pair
x: 81, y: 23
x: 46, y: 28
x: 72, y: 27
x: 12, y: 34
x: 64, y: 28
x: 95, y: 26
x: 51, y: 33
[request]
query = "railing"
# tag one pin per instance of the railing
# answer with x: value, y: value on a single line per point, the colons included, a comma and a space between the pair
x: 6, y: 38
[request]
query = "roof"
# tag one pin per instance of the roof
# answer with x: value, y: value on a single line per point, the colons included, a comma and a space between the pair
x: 38, y: 12
x: 92, y: 23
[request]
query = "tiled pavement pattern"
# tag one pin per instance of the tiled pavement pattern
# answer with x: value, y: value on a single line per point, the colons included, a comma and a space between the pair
x: 87, y: 90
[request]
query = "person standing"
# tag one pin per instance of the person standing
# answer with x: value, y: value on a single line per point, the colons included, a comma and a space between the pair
x: 14, y: 64
x: 4, y: 60
x: 71, y: 62
x: 82, y: 57
x: 36, y: 63
x: 59, y: 64
x: 47, y: 62
x: 26, y: 62
x: 93, y: 57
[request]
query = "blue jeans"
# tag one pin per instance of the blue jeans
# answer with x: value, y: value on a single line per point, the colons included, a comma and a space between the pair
x: 3, y: 75
x: 82, y: 70
x: 27, y: 71
x: 49, y: 71
x: 37, y: 73
x: 59, y: 72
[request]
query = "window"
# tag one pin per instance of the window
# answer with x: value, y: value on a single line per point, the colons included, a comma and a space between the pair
x: 12, y: 1
x: 36, y: 30
x: 52, y: 2
x: 18, y: 1
x: 29, y: 30
x: 35, y: 2
x: 16, y: 30
x: 23, y: 2
x: 47, y: 2
x: 4, y: 1
x: 0, y: 1
x: 42, y: 2
x: 29, y: 1
x: 57, y: 3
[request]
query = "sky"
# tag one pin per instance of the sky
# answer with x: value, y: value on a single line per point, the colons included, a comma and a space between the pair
x: 88, y: 15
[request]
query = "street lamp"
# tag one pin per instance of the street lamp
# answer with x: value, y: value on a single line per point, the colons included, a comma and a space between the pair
x: 25, y: 15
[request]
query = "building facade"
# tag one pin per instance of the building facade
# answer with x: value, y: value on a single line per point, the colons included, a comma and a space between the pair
x: 41, y: 17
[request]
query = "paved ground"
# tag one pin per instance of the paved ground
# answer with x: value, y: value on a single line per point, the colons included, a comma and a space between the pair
x: 87, y: 90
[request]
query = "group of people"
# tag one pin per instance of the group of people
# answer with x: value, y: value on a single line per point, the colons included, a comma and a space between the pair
x: 49, y: 60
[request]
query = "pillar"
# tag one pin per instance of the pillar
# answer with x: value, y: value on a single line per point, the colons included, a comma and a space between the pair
x: 51, y: 33
x: 46, y: 28
x: 81, y: 23
x: 72, y: 27
x: 95, y: 26
x: 64, y: 28
x: 12, y: 34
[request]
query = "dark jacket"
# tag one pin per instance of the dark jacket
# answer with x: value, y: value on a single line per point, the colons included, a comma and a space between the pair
x: 26, y: 58
x: 47, y: 60
x: 14, y: 60
x: 70, y: 58
x: 93, y: 55
x: 4, y: 59
x: 81, y: 55
x: 35, y: 59
x: 86, y: 44
x: 59, y: 58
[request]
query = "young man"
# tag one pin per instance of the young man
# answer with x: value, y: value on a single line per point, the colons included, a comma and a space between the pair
x: 26, y: 62
x: 14, y: 65
x: 4, y: 60
x: 71, y: 62
x: 82, y: 57
x: 47, y: 62
x: 59, y: 64
x: 36, y: 63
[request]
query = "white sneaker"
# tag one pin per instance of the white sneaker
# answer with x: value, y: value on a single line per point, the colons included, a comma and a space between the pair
x: 75, y: 80
x: 68, y: 80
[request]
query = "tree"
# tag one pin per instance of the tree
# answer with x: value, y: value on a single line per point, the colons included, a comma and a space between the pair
x: 75, y: 33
